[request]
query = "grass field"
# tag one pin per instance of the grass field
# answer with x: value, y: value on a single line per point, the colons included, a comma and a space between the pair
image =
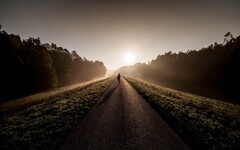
x: 201, y: 122
x: 27, y: 101
x: 45, y: 125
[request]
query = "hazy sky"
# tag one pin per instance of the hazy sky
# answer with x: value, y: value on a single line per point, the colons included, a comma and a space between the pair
x: 107, y: 30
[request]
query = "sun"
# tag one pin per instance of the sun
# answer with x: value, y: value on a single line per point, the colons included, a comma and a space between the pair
x: 129, y: 58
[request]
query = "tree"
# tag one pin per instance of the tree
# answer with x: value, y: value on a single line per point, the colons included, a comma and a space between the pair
x: 215, y: 67
x: 227, y: 37
x: 28, y: 66
x: 62, y: 62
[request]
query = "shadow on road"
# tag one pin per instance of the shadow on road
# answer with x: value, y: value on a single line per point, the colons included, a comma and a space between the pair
x: 108, y: 94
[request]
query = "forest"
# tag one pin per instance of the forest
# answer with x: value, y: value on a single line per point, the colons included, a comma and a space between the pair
x: 29, y: 66
x: 210, y: 70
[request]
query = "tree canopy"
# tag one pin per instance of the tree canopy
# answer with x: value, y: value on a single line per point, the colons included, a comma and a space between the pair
x: 216, y: 67
x: 29, y: 66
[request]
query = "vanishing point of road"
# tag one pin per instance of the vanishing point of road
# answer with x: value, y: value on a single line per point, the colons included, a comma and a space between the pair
x: 123, y: 120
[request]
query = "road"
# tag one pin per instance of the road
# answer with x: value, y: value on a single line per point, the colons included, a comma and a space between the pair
x: 123, y: 120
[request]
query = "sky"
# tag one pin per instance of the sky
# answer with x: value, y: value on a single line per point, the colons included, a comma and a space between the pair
x: 120, y: 33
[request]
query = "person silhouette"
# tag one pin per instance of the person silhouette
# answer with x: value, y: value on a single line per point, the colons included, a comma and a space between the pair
x: 118, y: 78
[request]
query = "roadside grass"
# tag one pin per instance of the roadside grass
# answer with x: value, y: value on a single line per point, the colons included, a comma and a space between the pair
x: 45, y: 125
x: 27, y: 101
x: 201, y: 122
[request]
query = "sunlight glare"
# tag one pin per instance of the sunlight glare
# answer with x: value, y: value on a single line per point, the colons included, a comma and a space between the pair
x: 129, y: 58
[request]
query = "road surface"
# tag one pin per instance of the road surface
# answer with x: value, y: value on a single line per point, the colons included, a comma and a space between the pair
x: 121, y: 120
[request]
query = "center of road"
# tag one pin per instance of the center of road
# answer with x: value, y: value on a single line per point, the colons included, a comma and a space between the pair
x: 122, y: 120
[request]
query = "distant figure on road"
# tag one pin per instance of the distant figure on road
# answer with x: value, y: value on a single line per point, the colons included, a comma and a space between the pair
x: 118, y: 77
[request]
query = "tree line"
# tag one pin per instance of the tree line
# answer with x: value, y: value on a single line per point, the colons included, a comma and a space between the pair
x: 29, y: 66
x: 216, y: 67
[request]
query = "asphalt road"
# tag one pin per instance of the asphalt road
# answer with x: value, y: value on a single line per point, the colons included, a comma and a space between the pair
x: 123, y: 120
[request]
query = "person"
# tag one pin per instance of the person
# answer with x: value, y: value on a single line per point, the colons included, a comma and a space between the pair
x: 118, y: 77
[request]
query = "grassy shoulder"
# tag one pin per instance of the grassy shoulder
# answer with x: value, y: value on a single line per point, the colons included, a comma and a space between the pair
x: 27, y: 101
x: 201, y: 122
x: 45, y: 125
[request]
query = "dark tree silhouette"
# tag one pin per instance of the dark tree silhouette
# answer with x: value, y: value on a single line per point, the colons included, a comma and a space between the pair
x: 228, y: 36
x: 28, y: 66
x: 62, y: 62
x: 213, y: 71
